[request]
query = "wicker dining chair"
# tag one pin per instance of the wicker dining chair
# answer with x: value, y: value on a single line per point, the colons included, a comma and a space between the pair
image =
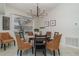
x: 6, y: 38
x: 56, y: 33
x: 30, y: 36
x: 0, y: 42
x: 22, y: 46
x: 54, y: 44
x: 48, y: 34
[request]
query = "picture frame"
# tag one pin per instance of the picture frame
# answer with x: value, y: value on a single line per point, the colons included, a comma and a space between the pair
x: 46, y: 23
x: 53, y: 22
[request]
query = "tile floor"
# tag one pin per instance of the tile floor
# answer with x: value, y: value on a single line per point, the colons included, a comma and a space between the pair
x: 65, y: 51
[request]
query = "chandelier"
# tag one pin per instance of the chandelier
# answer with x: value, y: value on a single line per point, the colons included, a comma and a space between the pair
x: 39, y: 12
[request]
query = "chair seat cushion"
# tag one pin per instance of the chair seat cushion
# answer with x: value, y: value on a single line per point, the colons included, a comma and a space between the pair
x: 7, y: 41
x: 25, y: 46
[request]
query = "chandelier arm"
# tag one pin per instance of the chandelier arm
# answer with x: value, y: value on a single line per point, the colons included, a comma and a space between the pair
x: 43, y: 12
x: 38, y: 12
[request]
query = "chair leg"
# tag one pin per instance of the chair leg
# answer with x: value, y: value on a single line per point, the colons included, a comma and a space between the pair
x: 4, y: 46
x: 20, y: 52
x: 35, y: 52
x: 54, y: 52
x: 32, y: 50
x: 14, y: 43
x: 8, y: 44
x: 17, y: 51
x: 29, y: 40
x: 1, y: 45
x: 45, y: 52
x: 59, y: 52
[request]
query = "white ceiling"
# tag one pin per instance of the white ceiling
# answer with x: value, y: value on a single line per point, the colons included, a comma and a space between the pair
x: 2, y: 11
x: 25, y: 7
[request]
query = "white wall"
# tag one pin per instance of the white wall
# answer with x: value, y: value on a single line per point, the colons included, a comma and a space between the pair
x: 66, y: 15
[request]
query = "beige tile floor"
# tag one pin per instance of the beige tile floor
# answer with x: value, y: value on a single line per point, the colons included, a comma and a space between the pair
x: 65, y: 51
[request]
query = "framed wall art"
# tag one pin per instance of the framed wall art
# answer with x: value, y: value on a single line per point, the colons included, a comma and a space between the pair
x: 53, y: 22
x: 6, y: 23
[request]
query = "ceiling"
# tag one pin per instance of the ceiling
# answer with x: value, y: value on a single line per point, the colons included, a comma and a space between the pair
x: 2, y: 11
x: 25, y: 7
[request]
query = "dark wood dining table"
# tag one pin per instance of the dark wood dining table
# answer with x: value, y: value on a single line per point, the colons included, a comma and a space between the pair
x: 31, y: 38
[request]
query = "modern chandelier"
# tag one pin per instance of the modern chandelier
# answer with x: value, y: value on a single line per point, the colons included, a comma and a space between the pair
x: 39, y: 12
